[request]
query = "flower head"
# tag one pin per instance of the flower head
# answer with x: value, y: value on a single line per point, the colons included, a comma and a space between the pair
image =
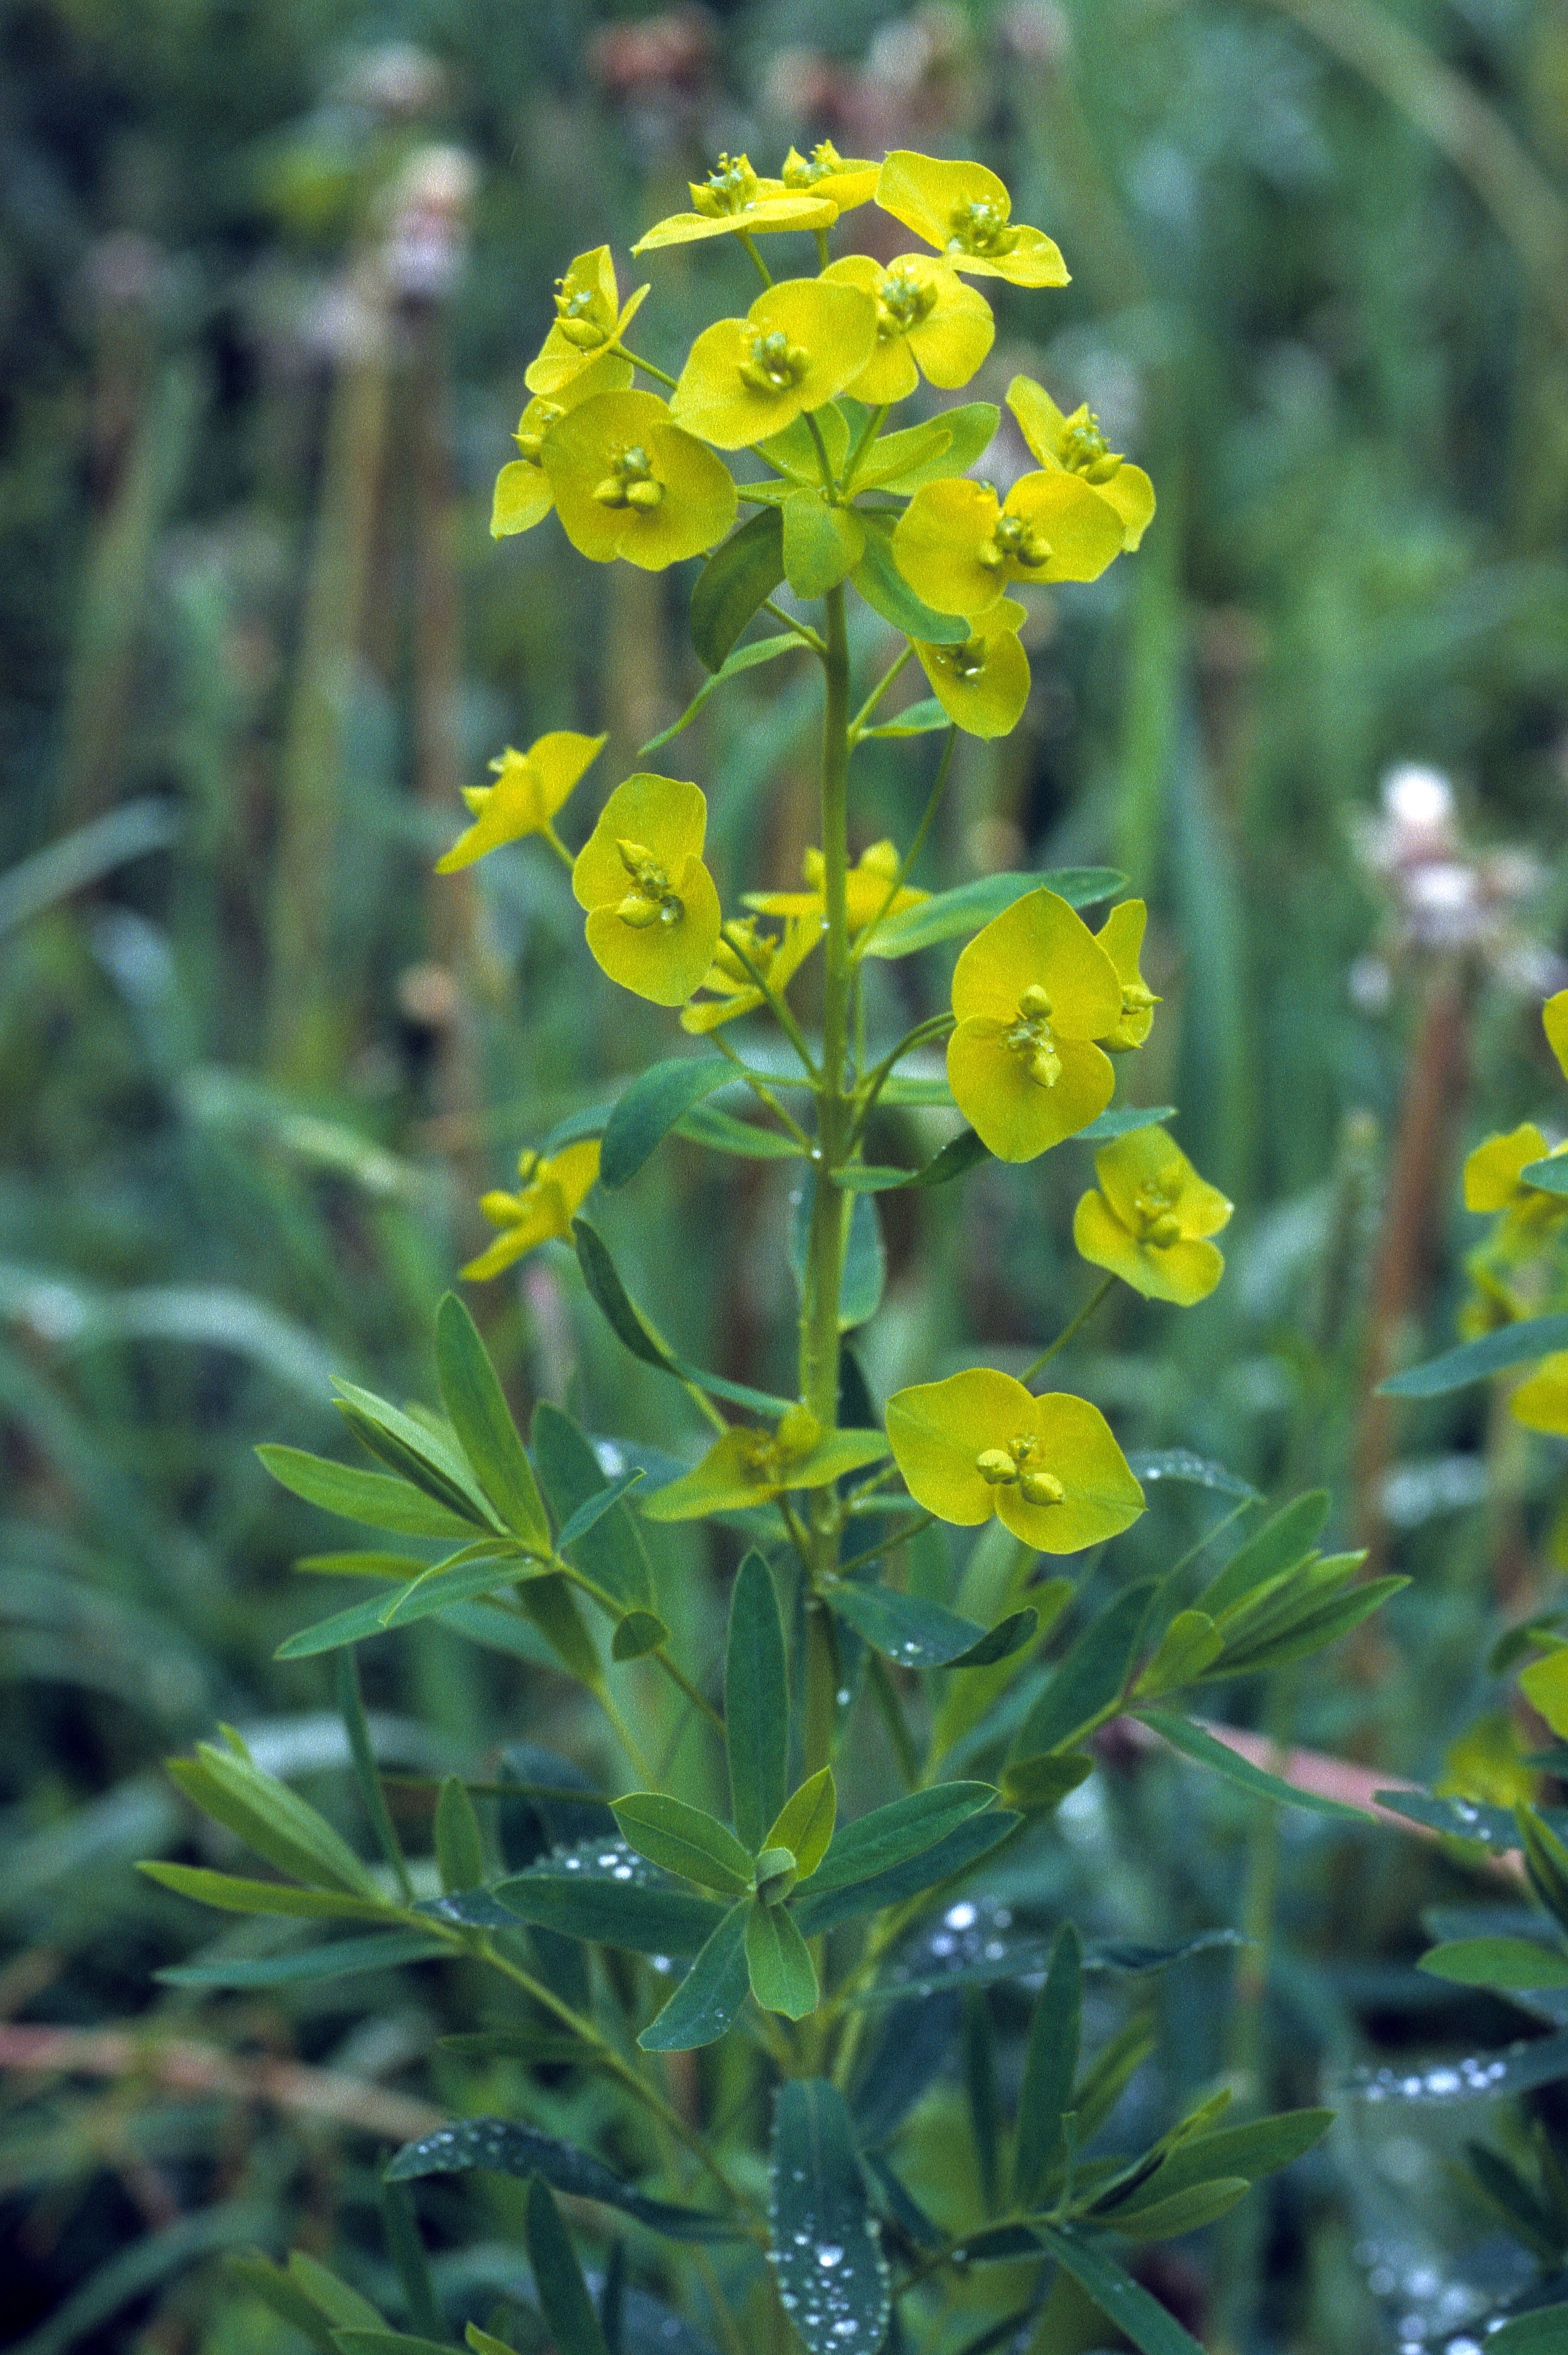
x: 1032, y: 993
x: 745, y: 951
x: 589, y: 318
x: 958, y: 547
x: 529, y: 788
x: 846, y: 181
x: 733, y: 199
x: 523, y: 493
x: 928, y: 323
x: 747, y: 1467
x: 801, y: 342
x: 1152, y: 1219
x: 1492, y: 1170
x: 653, y: 913
x: 982, y: 683
x: 628, y: 481
x: 966, y: 213
x: 868, y: 887
x: 548, y: 1201
x: 1121, y: 937
x: 1075, y: 445
x: 1048, y: 1467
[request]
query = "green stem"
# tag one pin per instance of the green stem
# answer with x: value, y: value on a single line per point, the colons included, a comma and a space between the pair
x: 787, y: 1022
x: 802, y: 630
x: 647, y: 367
x: 764, y: 1094
x: 857, y: 724
x: 762, y: 270
x: 1075, y: 1324
x: 870, y: 1088
x: 824, y: 463
x: 928, y: 817
x: 858, y: 455
x: 888, y: 1544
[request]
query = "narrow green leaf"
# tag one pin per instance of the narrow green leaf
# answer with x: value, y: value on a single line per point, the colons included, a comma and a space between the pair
x: 1194, y: 1742
x: 379, y: 1950
x: 331, y: 2296
x: 744, y: 658
x: 609, y: 1550
x: 637, y: 1635
x: 351, y: 1709
x: 563, y: 2294
x: 817, y: 1910
x: 1124, y: 2302
x: 503, y: 2147
x: 891, y: 455
x: 632, y: 1328
x: 1088, y: 1682
x: 1260, y: 2148
x: 822, y: 544
x: 271, y: 1819
x: 903, y: 461
x: 966, y: 909
x: 1549, y: 1177
x: 778, y: 1963
x: 1542, y: 2331
x: 805, y: 1823
x: 550, y: 1603
x: 959, y: 1154
x: 460, y: 1845
x: 1506, y: 2191
x: 1475, y: 1361
x: 886, y: 591
x: 285, y: 2298
x: 749, y: 1140
x: 1183, y: 2212
x: 388, y: 2343
x: 1481, y: 2077
x: 920, y: 1635
x: 1283, y: 1540
x: 649, y: 1107
x: 351, y: 1625
x: 682, y: 1839
x: 1050, y: 2067
x: 1038, y: 1786
x: 476, y: 1404
x: 794, y: 451
x: 887, y: 1837
x: 625, y: 1903
x: 827, y: 2265
x: 984, y: 2100
x: 1124, y: 1120
x: 234, y: 1895
x: 406, y: 2247
x: 927, y: 718
x: 1181, y: 1655
x: 756, y: 1704
x: 376, y: 1499
x: 592, y: 1509
x: 1297, y: 1638
x: 732, y: 584
x: 478, y: 1569
x: 1179, y: 1463
x: 709, y: 1998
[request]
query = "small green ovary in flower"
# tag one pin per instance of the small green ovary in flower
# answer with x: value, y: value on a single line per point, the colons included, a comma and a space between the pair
x: 979, y: 1444
x: 653, y: 912
x: 589, y: 318
x: 982, y: 683
x: 1150, y: 1221
x: 799, y: 345
x: 966, y: 212
x: 928, y: 323
x: 628, y: 481
x: 1075, y: 445
x: 845, y: 180
x: 959, y: 546
x: 1031, y: 994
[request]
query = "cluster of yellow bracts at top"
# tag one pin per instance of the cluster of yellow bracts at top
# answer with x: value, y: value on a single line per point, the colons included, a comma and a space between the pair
x: 1521, y: 1268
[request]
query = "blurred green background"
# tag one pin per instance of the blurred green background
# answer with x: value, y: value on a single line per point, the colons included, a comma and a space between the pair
x: 270, y: 275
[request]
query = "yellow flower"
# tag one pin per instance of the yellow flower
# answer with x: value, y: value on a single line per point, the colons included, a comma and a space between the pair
x: 551, y: 1194
x: 523, y: 493
x: 845, y: 180
x: 1048, y: 1467
x: 732, y: 198
x: 928, y: 323
x: 1075, y: 445
x: 1541, y: 1401
x: 1491, y: 1171
x: 589, y: 316
x: 628, y: 481
x: 729, y: 979
x: 800, y: 343
x: 958, y: 549
x: 747, y: 1467
x: 966, y: 213
x: 653, y: 913
x: 866, y: 888
x: 530, y: 788
x: 1121, y: 937
x: 982, y: 684
x: 1554, y: 1022
x: 1031, y: 992
x: 1150, y: 1221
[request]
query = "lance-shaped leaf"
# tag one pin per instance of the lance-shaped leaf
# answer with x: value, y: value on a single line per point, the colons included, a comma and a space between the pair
x: 732, y: 583
x: 634, y: 1331
x: 1187, y: 1648
x: 805, y: 1823
x: 476, y: 1402
x: 506, y: 2148
x: 271, y: 1819
x: 887, y: 592
x: 926, y: 718
x: 783, y: 1976
x: 1089, y: 1683
x: 1283, y: 1541
x: 478, y: 1569
x: 1260, y: 2148
x: 568, y: 2310
x: 460, y: 1844
x: 1152, y: 2327
x: 649, y: 1107
x: 970, y: 905
x: 1477, y: 1361
x: 1542, y: 2332
x: 604, y: 1892
x: 1125, y: 1120
x: 286, y: 2296
x: 684, y: 1839
x: 921, y: 1635
x: 1194, y: 1743
x: 905, y: 1828
x: 1178, y: 1464
x: 903, y: 461
x: 550, y: 1603
x: 1514, y: 1965
x: 1518, y: 2068
x: 234, y: 1895
x: 377, y: 1499
x: 960, y: 1153
x: 891, y: 455
x: 1050, y: 2066
x: 609, y: 1548
x: 420, y: 1453
x: 379, y: 1950
x: 764, y: 650
x: 756, y: 1704
x: 828, y: 2268
x: 818, y: 1908
x: 709, y: 1998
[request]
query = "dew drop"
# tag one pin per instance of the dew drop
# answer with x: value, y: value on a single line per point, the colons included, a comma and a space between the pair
x: 829, y: 2254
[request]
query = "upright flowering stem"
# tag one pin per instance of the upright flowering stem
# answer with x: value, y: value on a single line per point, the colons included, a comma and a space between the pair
x: 835, y: 1112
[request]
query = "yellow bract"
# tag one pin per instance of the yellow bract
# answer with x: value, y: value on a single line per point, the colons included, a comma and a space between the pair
x: 1121, y: 937
x: 928, y: 323
x: 1075, y: 445
x: 801, y: 342
x: 1541, y: 1401
x: 1032, y: 993
x: 868, y: 887
x: 731, y: 200
x: 979, y: 1444
x: 530, y: 788
x: 1554, y: 1022
x: 1150, y: 1221
x: 523, y: 493
x: 745, y: 951
x: 628, y: 481
x: 959, y: 549
x: 747, y: 1467
x: 587, y: 317
x: 544, y: 1209
x: 982, y: 684
x: 965, y: 212
x: 845, y: 180
x: 1491, y: 1171
x: 653, y: 913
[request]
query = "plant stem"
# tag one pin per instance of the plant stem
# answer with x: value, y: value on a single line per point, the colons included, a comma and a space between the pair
x: 802, y: 630
x: 647, y: 367
x: 870, y: 1088
x: 878, y: 691
x: 786, y: 1020
x: 762, y: 270
x: 760, y: 1089
x: 1074, y: 1324
x: 933, y: 802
